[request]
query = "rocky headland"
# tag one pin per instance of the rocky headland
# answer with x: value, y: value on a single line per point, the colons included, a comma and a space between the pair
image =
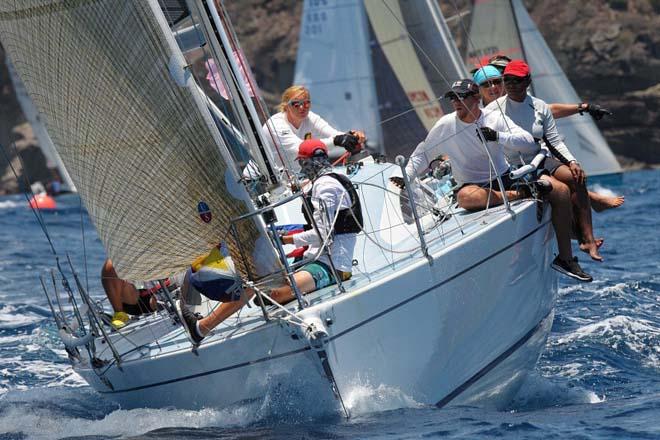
x: 609, y: 49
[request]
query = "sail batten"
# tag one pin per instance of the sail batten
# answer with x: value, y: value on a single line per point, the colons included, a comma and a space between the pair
x: 134, y: 132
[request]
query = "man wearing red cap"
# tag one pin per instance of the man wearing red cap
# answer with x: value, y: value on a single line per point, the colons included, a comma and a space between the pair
x: 337, y: 213
x: 338, y: 216
x: 535, y: 116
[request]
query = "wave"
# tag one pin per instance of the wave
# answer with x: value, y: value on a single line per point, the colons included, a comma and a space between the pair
x: 55, y: 413
x: 622, y: 334
x: 538, y: 392
x: 11, y: 204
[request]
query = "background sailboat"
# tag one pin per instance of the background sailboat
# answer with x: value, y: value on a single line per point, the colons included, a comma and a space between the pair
x: 378, y: 66
x: 36, y: 120
x: 505, y: 27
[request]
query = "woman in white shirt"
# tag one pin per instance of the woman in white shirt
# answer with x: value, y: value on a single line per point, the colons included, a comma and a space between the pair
x: 296, y: 122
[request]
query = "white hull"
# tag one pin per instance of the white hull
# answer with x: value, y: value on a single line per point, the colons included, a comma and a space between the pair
x: 465, y: 329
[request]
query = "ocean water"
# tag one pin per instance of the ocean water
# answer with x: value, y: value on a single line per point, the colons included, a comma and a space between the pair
x: 598, y: 378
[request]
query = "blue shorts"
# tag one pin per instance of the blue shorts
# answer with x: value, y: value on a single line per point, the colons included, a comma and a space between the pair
x: 321, y: 274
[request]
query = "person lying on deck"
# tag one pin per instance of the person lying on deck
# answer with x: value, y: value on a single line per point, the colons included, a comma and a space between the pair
x: 336, y: 211
x: 454, y: 135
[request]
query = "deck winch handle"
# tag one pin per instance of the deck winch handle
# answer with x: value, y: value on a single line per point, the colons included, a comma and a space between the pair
x: 532, y: 166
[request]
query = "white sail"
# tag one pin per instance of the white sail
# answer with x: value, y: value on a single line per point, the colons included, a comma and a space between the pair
x: 505, y: 27
x: 398, y: 54
x: 551, y: 84
x: 134, y: 132
x: 334, y: 62
x: 53, y: 159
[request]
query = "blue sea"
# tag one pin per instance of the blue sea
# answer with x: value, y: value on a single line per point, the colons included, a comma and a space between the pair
x: 598, y: 378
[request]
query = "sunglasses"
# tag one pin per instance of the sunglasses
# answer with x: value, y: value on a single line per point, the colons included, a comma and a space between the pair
x: 515, y: 80
x: 491, y: 83
x: 456, y: 97
x: 300, y: 103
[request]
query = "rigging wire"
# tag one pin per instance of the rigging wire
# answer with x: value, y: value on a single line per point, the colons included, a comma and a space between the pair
x: 27, y: 189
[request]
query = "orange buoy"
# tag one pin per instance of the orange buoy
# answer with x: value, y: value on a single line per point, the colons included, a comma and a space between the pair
x: 42, y: 201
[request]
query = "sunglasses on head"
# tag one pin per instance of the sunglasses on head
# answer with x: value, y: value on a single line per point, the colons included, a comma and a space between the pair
x: 300, y: 103
x: 514, y: 80
x: 491, y: 83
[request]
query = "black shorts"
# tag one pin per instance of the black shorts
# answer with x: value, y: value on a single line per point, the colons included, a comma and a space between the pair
x: 140, y: 308
x: 494, y: 184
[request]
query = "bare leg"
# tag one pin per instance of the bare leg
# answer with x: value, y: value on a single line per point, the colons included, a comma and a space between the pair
x: 220, y: 313
x: 560, y: 200
x: 305, y: 283
x: 582, y: 209
x: 282, y: 295
x: 475, y: 198
x: 600, y: 203
x: 118, y: 291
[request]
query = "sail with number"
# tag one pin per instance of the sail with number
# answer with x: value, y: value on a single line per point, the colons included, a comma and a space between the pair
x: 134, y: 130
x: 505, y: 27
x: 380, y: 66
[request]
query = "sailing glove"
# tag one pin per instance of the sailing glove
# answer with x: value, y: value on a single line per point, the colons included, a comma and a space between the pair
x: 398, y: 181
x: 348, y: 141
x: 594, y: 110
x: 488, y: 133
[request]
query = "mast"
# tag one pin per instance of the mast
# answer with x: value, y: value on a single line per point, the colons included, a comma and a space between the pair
x: 522, y: 42
x: 216, y: 23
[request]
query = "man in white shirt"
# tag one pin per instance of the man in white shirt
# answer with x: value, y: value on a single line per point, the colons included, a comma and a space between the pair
x: 475, y: 163
x: 338, y: 217
x: 295, y: 122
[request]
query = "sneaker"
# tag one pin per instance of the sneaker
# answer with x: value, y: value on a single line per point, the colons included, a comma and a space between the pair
x: 119, y: 320
x: 571, y: 268
x: 189, y: 321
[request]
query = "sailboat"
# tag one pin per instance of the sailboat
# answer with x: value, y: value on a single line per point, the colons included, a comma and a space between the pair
x: 505, y: 27
x: 452, y: 308
x: 53, y: 160
x: 367, y: 65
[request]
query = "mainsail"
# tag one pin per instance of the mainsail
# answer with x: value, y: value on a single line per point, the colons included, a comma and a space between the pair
x: 134, y: 132
x: 505, y: 27
x: 405, y: 58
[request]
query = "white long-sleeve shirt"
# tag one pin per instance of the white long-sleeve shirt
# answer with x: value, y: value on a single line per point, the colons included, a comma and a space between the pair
x: 534, y: 116
x: 459, y: 140
x: 288, y: 138
x: 328, y: 195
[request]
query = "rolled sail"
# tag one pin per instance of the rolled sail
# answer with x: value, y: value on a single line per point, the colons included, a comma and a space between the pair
x: 134, y: 133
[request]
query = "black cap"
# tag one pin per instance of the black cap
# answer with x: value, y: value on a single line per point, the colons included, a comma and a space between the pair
x: 463, y: 88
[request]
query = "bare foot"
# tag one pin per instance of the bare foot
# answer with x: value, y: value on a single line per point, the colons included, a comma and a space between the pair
x: 592, y: 249
x: 601, y: 203
x: 599, y: 242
